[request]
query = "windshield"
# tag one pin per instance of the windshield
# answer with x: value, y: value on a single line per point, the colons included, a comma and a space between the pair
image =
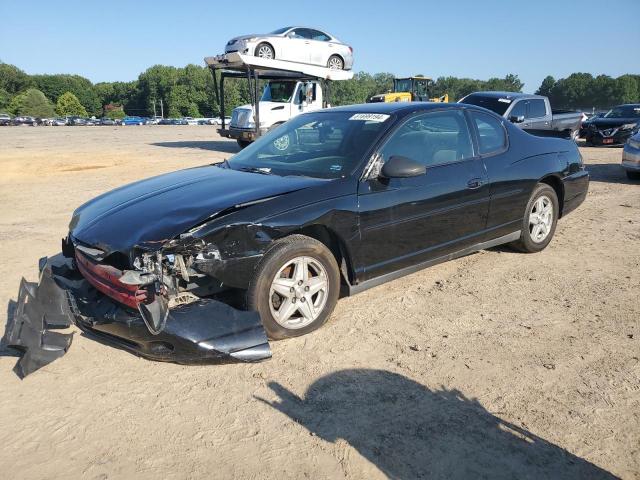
x: 278, y: 92
x: 280, y: 31
x: 495, y: 104
x: 318, y: 144
x: 403, y: 85
x: 624, y: 111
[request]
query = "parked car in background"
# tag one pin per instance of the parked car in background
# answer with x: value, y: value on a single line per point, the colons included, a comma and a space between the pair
x: 179, y: 121
x: 154, y: 120
x: 59, y: 122
x: 613, y: 127
x: 76, y: 121
x: 107, y: 121
x: 25, y: 120
x: 531, y: 113
x: 631, y: 157
x: 5, y: 119
x: 191, y: 120
x: 133, y: 120
x: 296, y: 44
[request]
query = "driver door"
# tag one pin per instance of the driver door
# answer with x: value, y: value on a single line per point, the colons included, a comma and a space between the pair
x: 406, y: 221
x: 297, y: 46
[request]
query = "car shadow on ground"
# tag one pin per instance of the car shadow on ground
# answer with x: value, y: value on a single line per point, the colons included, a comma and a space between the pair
x: 213, y: 145
x: 609, y: 172
x: 409, y: 431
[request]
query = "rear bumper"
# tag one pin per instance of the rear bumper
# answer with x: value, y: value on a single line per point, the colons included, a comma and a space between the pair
x: 207, y: 331
x: 576, y: 187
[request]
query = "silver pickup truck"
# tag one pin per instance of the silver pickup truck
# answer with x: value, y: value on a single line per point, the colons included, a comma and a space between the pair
x: 532, y: 113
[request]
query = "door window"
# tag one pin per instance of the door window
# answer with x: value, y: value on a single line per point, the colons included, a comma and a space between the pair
x: 519, y: 109
x: 433, y: 138
x: 491, y: 134
x: 300, y: 33
x: 318, y: 35
x: 537, y: 108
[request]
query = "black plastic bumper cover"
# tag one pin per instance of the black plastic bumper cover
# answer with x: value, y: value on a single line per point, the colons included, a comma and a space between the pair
x: 207, y: 331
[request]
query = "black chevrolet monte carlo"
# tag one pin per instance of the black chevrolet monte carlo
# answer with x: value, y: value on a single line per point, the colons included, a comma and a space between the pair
x: 204, y: 264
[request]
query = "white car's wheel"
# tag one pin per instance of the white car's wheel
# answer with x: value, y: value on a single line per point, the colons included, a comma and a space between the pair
x: 335, y: 63
x: 264, y: 50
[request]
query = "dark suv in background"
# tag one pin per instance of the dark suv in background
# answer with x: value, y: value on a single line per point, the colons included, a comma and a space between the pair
x: 614, y: 127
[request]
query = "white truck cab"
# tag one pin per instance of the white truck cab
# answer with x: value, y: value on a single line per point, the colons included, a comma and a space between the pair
x: 281, y: 100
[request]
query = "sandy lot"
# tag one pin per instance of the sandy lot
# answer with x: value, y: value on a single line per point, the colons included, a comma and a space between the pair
x: 496, y: 365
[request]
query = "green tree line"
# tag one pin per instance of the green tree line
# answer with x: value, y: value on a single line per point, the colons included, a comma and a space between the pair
x: 189, y: 91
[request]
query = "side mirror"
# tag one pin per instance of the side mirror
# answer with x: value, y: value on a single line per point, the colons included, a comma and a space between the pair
x: 516, y: 119
x: 402, y: 167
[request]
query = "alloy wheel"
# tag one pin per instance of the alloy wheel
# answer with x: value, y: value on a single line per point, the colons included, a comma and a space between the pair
x: 541, y: 219
x: 299, y: 292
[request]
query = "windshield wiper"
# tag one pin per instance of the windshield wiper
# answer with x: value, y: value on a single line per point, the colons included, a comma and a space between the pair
x: 260, y: 170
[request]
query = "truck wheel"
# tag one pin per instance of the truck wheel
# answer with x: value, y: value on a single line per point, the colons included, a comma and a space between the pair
x: 540, y: 219
x: 335, y: 63
x: 295, y: 287
x: 264, y: 50
x: 243, y: 143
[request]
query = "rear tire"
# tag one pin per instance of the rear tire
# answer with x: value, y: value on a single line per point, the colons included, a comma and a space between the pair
x: 335, y: 63
x: 633, y: 175
x: 295, y: 287
x: 539, y: 220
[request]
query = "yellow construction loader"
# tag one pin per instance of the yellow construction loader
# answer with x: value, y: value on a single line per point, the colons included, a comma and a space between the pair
x: 411, y: 89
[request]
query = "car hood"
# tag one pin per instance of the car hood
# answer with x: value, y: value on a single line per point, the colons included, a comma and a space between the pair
x: 151, y: 211
x: 612, y: 122
x: 246, y: 37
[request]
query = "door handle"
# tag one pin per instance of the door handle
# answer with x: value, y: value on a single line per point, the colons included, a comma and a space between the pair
x: 474, y: 183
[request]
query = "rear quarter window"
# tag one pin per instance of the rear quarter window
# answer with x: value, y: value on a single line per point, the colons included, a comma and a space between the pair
x: 491, y: 134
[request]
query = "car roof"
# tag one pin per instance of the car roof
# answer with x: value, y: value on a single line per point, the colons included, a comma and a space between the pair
x: 396, y: 107
x: 509, y: 95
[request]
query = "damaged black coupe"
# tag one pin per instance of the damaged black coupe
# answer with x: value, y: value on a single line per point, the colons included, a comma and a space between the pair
x: 205, y: 264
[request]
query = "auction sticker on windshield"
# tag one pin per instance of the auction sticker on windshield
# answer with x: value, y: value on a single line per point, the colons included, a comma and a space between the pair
x: 370, y: 117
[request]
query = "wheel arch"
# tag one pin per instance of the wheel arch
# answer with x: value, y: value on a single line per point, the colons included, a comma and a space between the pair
x: 335, y: 244
x: 273, y: 48
x: 344, y: 62
x: 556, y: 183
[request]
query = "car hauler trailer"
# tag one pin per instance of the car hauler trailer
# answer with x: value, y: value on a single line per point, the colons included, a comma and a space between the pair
x: 301, y: 88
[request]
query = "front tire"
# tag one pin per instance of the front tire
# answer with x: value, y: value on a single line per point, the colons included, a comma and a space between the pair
x: 264, y: 50
x: 295, y: 287
x: 540, y: 220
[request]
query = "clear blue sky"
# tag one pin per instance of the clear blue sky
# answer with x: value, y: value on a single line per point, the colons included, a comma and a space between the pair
x: 107, y: 40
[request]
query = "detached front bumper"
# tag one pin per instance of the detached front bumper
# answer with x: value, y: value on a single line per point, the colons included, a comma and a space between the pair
x: 207, y: 331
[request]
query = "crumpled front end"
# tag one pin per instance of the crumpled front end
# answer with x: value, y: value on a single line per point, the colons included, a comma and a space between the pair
x: 203, y: 330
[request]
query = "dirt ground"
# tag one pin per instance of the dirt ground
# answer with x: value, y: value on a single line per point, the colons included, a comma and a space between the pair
x: 496, y: 365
